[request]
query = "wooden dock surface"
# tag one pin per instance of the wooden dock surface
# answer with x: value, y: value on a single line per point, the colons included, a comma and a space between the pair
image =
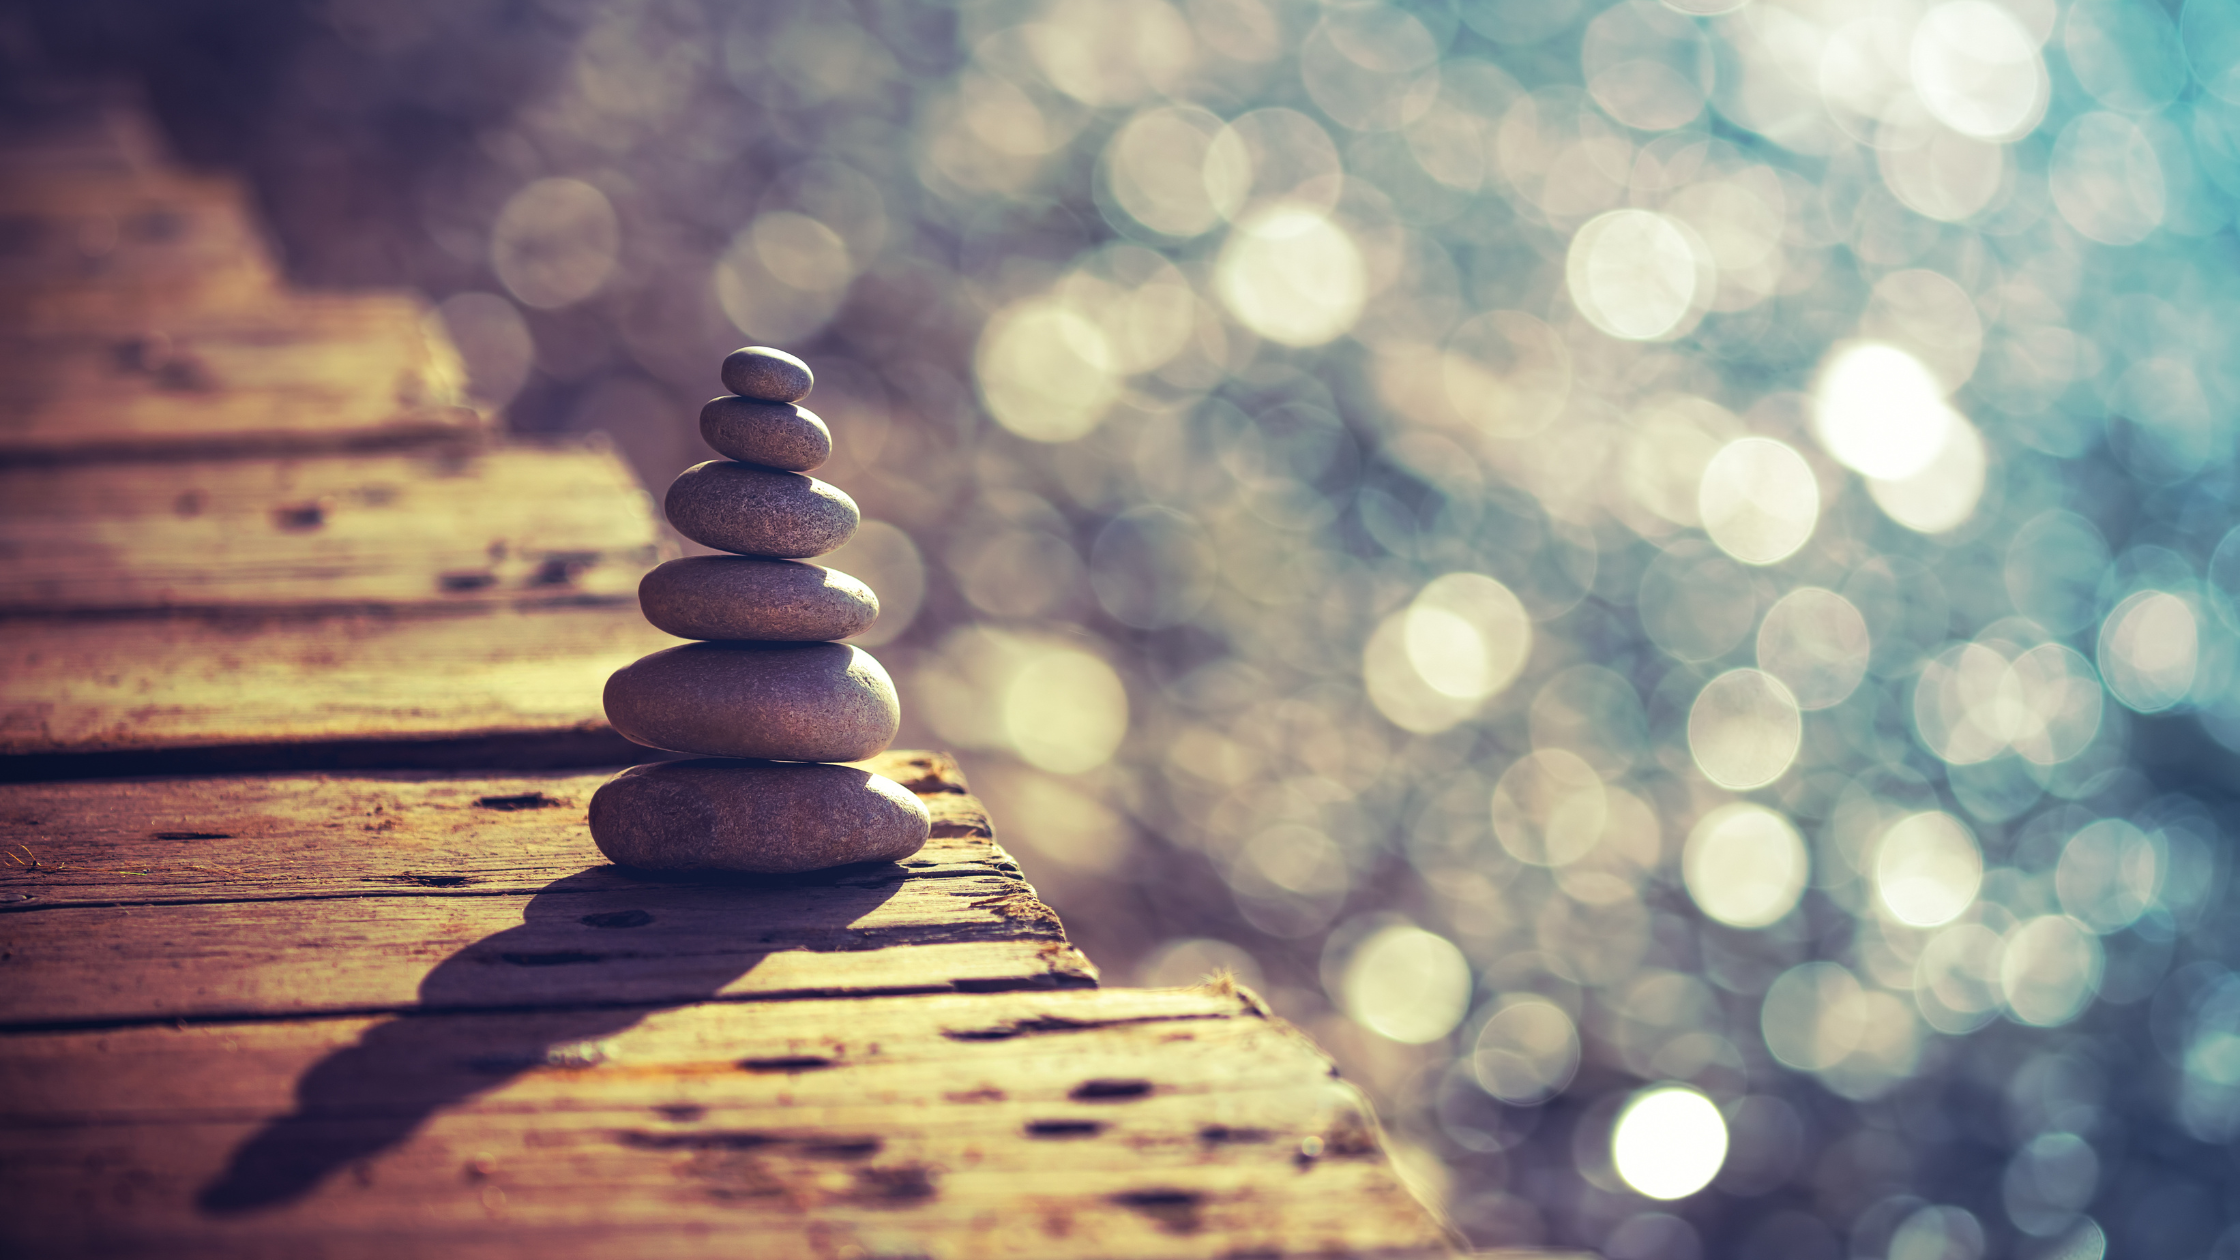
x: 413, y: 1013
x: 406, y: 1013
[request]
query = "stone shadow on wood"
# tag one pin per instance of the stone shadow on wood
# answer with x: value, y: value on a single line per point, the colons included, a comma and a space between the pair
x: 589, y: 960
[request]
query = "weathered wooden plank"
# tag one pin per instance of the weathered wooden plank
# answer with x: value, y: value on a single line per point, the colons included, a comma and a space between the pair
x: 257, y: 837
x: 655, y: 943
x: 297, y: 366
x: 444, y: 526
x: 340, y: 894
x: 93, y: 684
x: 100, y: 236
x: 414, y: 1014
x: 1161, y: 1124
x: 139, y: 306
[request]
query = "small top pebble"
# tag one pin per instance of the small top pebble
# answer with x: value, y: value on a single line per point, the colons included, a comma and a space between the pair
x: 767, y: 375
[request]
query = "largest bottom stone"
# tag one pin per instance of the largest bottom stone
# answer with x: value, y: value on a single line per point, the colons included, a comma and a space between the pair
x: 711, y: 815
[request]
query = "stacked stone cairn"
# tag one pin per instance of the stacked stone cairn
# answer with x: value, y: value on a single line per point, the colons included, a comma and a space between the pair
x: 767, y: 700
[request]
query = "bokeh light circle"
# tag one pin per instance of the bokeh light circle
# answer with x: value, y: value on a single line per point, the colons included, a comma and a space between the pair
x: 1978, y: 70
x: 1459, y: 642
x: 2107, y: 180
x: 1292, y: 275
x: 1550, y: 808
x: 1744, y: 729
x: 1407, y: 984
x: 1669, y: 1142
x: 1636, y: 274
x: 555, y: 242
x: 1065, y: 711
x: 1927, y: 869
x: 1046, y: 371
x: 2150, y: 650
x: 2108, y: 875
x: 1942, y: 494
x: 1880, y: 411
x: 1745, y: 865
x: 2049, y: 968
x: 1817, y: 644
x: 1758, y: 500
x: 1526, y: 1051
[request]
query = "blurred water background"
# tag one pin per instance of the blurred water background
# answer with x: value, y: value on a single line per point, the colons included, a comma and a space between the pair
x: 1661, y: 577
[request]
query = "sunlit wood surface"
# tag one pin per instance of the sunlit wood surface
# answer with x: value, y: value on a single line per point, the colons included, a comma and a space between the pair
x: 413, y: 1013
x: 236, y: 513
x: 140, y: 305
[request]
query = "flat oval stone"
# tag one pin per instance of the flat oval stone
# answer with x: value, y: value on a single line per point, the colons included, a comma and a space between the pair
x: 767, y: 374
x: 744, y: 597
x: 754, y: 816
x: 772, y: 701
x: 774, y: 435
x: 759, y: 511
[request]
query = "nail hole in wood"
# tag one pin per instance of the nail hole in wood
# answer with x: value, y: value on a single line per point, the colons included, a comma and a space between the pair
x: 788, y: 1063
x: 1064, y: 1128
x: 526, y: 800
x: 1109, y: 1090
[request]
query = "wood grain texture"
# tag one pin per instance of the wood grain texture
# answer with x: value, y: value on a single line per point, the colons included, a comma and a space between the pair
x: 310, y: 369
x: 334, y: 894
x: 1123, y: 1123
x: 445, y: 526
x: 105, y: 236
x: 94, y: 684
x: 416, y: 1014
x: 293, y: 836
x: 140, y: 306
x: 413, y: 1014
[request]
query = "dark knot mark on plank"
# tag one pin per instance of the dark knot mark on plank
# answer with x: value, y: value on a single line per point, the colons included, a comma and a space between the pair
x: 434, y: 881
x: 193, y: 835
x: 788, y: 1063
x: 562, y: 568
x: 1108, y: 1089
x: 739, y: 1165
x: 1176, y: 1211
x: 297, y: 518
x: 902, y: 1183
x: 524, y: 800
x: 817, y: 1146
x: 1064, y: 1128
x: 1219, y: 1134
x: 1037, y: 1024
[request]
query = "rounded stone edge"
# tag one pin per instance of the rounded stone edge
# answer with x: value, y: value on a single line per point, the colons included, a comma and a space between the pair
x: 626, y: 798
x: 809, y: 434
x: 767, y: 374
x: 629, y: 796
x: 861, y: 604
x: 630, y: 722
x: 707, y: 525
